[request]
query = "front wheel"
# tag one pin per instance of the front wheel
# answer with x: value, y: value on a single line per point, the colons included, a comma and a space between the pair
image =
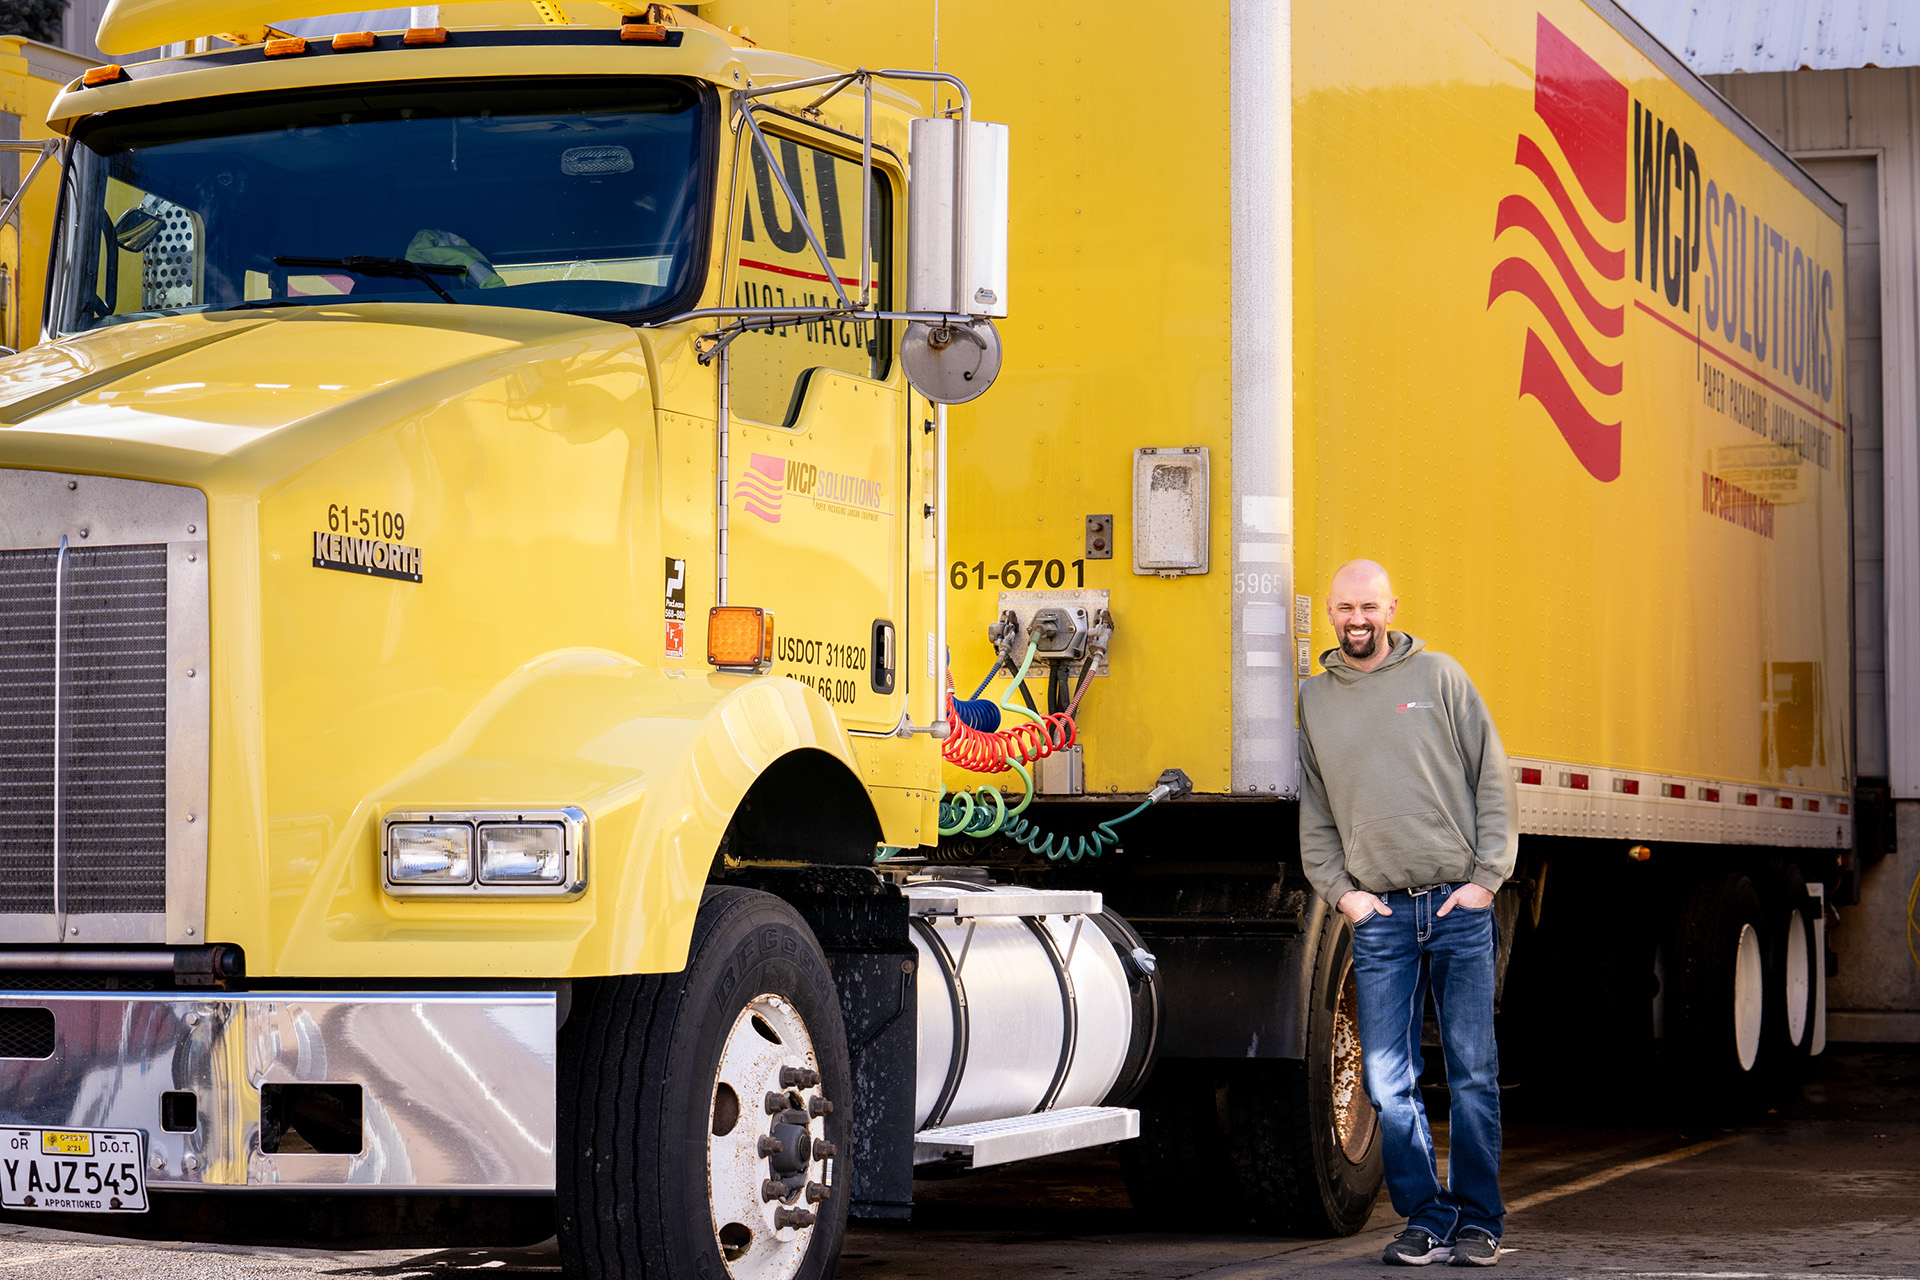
x: 699, y: 1134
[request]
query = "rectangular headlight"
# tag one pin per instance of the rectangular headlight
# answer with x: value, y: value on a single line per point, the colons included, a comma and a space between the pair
x: 529, y: 853
x: 430, y: 853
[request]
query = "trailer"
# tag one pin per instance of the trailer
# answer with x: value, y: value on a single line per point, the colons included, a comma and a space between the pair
x: 635, y: 624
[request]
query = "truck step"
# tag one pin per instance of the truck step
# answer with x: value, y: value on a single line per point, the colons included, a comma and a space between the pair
x: 988, y: 1142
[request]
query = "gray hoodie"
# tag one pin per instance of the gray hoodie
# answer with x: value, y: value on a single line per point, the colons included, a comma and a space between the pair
x: 1403, y: 780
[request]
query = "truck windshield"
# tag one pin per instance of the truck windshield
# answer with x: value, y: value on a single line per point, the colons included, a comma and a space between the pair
x: 587, y: 197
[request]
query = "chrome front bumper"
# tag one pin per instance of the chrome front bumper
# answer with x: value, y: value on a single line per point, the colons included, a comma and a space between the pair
x: 457, y: 1089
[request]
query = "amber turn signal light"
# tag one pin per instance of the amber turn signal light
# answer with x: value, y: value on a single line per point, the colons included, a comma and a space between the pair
x: 424, y: 35
x: 644, y: 33
x: 739, y: 637
x: 286, y: 46
x: 1639, y: 853
x: 353, y: 40
x: 107, y: 74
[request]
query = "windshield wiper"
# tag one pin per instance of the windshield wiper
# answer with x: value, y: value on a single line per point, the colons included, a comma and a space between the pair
x: 390, y: 268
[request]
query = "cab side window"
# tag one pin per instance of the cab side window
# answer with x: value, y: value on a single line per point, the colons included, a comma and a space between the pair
x: 775, y: 266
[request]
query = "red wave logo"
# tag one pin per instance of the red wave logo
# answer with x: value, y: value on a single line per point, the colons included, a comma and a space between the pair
x: 1585, y: 113
x: 762, y: 486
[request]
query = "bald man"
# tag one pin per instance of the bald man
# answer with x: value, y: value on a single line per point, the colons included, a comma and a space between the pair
x: 1405, y: 828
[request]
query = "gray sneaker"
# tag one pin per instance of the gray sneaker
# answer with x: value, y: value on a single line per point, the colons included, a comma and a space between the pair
x: 1415, y: 1247
x: 1475, y: 1248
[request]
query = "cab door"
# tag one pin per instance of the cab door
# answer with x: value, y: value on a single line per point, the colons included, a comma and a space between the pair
x: 816, y: 485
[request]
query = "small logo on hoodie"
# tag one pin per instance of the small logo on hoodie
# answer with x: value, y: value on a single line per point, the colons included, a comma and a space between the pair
x: 1405, y: 707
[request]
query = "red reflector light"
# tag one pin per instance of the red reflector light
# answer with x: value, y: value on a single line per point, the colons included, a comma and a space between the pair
x: 1578, y: 781
x: 1751, y: 798
x: 1627, y: 786
x: 103, y: 75
x: 1673, y: 791
x: 644, y: 33
x: 1813, y: 806
x: 286, y: 46
x: 1710, y: 794
x: 1783, y: 802
x: 1842, y: 807
x: 425, y: 35
x: 1530, y: 776
x: 354, y: 40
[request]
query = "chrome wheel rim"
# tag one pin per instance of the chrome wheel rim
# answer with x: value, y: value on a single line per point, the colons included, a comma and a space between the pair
x: 1799, y: 985
x: 769, y: 1168
x: 1748, y: 996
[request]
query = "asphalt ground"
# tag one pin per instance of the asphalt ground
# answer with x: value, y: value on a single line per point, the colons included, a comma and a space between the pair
x: 1825, y: 1188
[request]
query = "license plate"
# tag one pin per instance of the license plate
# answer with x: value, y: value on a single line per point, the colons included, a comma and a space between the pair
x: 73, y: 1170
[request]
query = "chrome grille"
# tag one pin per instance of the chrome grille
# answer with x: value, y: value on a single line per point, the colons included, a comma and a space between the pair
x: 114, y: 721
x: 26, y: 730
x: 101, y: 692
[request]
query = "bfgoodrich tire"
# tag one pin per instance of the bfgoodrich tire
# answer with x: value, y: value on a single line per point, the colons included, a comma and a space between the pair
x: 697, y: 1133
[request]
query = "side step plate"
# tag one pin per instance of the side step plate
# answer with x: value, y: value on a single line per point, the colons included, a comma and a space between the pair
x: 989, y: 1142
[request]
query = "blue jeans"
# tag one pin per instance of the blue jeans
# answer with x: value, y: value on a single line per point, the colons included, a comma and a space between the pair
x: 1396, y: 959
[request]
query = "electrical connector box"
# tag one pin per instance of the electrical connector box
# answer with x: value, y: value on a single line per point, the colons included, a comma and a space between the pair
x: 1077, y: 630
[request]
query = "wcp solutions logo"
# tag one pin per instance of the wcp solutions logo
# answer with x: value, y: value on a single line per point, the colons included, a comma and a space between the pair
x: 1584, y: 111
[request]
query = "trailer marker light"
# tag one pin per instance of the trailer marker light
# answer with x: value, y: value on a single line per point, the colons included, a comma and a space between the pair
x: 430, y: 853
x: 107, y: 74
x: 1783, y: 802
x: 1813, y: 806
x: 1530, y: 776
x: 1710, y: 794
x: 1673, y: 791
x: 643, y: 32
x: 1843, y: 808
x: 1578, y: 781
x: 1639, y: 853
x: 740, y: 638
x: 1750, y: 798
x: 424, y: 35
x: 354, y: 40
x: 1627, y: 786
x: 286, y: 46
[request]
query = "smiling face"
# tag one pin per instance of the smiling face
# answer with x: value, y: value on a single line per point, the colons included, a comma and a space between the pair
x: 1361, y: 605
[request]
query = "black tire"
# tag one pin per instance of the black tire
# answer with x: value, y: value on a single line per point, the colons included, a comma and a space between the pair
x: 1786, y: 1046
x: 1256, y: 1143
x: 1308, y: 1154
x: 1716, y: 972
x: 639, y: 1059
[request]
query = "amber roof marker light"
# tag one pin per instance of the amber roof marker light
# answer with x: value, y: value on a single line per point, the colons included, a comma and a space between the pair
x: 111, y: 73
x: 348, y: 40
x: 286, y: 46
x: 424, y: 35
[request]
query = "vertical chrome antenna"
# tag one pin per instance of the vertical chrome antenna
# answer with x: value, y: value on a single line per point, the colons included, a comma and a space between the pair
x: 723, y: 410
x: 59, y: 739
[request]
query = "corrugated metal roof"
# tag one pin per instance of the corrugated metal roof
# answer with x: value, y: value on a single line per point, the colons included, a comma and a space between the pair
x: 1719, y: 36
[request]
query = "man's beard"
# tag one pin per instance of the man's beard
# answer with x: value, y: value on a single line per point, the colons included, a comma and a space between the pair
x: 1367, y: 649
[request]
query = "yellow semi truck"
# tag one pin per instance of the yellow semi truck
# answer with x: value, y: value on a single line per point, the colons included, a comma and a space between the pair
x: 520, y: 694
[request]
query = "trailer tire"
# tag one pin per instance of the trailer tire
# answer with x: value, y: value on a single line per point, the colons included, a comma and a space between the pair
x: 1792, y: 979
x: 1716, y: 1013
x: 655, y: 1128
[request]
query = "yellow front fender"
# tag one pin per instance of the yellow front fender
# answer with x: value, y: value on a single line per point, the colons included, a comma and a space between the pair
x: 658, y: 761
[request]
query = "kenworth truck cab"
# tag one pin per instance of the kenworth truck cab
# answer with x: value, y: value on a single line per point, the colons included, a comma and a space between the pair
x: 470, y: 640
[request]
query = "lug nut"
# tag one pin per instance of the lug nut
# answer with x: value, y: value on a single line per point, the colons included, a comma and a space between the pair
x: 816, y: 1193
x: 798, y: 1078
x: 770, y: 1146
x: 824, y: 1150
x: 776, y: 1103
x: 819, y: 1107
x: 772, y: 1189
x: 792, y: 1218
